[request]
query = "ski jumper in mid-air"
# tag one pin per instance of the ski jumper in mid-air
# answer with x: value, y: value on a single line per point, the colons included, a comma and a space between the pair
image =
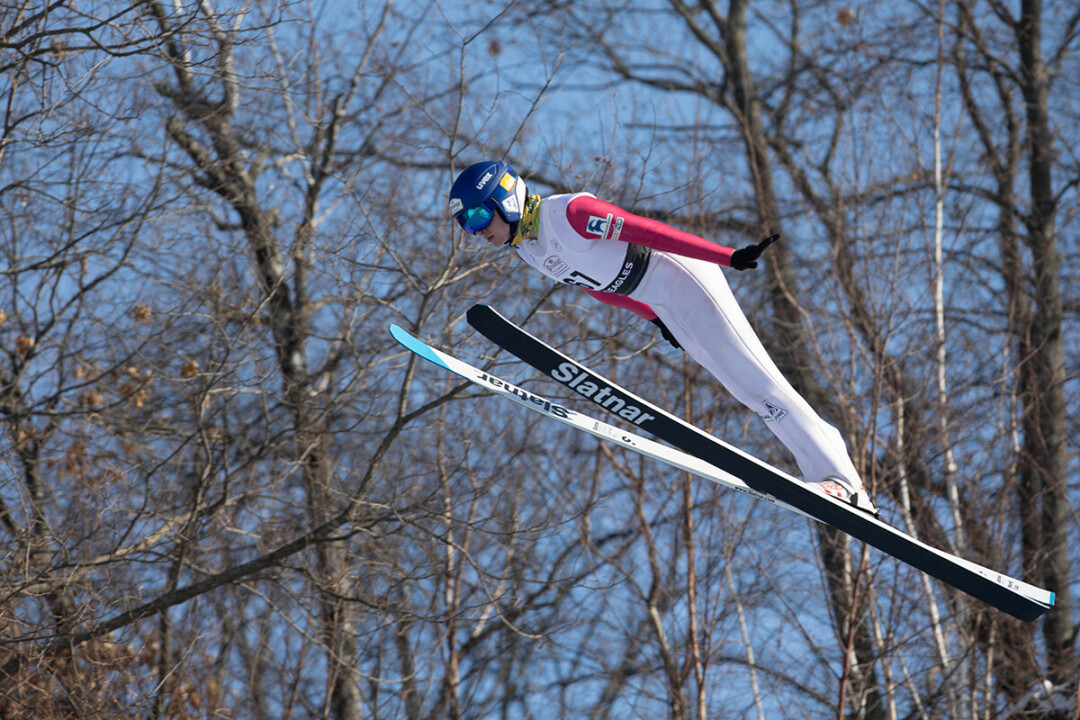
x: 669, y: 277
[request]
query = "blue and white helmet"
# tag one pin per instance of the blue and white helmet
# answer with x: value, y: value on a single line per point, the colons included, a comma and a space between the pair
x: 483, y: 189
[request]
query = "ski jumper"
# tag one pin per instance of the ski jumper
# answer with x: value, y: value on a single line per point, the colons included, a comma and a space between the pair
x: 655, y: 271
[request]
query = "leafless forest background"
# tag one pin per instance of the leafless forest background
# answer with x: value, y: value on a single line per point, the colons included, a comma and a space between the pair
x: 227, y: 493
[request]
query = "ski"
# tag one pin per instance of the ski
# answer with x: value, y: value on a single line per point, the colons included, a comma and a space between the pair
x: 1015, y: 597
x: 592, y: 426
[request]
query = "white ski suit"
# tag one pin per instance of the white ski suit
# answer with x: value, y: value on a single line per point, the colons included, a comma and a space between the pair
x: 658, y: 271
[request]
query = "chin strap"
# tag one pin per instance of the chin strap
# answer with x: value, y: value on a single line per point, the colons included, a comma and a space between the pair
x: 528, y: 224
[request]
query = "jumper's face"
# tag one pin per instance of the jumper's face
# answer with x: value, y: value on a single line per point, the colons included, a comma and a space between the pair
x: 497, y: 232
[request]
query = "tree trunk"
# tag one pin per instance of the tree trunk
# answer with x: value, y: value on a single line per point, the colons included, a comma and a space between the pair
x: 1045, y: 453
x: 791, y: 348
x: 222, y: 167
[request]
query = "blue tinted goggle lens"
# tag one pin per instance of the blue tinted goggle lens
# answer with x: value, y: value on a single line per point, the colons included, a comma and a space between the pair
x: 475, y: 219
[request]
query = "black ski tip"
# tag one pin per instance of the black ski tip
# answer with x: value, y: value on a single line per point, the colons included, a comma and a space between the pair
x: 482, y: 317
x: 477, y: 312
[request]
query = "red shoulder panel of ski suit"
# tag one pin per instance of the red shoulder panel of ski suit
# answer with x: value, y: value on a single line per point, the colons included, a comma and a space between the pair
x: 641, y: 231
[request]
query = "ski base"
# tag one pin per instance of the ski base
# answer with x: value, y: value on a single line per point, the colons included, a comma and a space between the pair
x: 597, y: 428
x: 1015, y: 597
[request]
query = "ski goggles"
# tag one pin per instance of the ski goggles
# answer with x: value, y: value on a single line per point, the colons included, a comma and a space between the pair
x: 475, y: 219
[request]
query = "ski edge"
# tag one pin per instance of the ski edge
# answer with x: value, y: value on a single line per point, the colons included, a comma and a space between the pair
x: 597, y: 428
x: 1016, y: 597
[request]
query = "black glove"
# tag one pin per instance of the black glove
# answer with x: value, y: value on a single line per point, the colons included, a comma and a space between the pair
x: 665, y: 332
x: 746, y: 258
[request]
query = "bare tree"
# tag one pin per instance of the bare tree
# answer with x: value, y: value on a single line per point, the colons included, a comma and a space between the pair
x: 827, y: 108
x: 226, y: 489
x: 1023, y: 83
